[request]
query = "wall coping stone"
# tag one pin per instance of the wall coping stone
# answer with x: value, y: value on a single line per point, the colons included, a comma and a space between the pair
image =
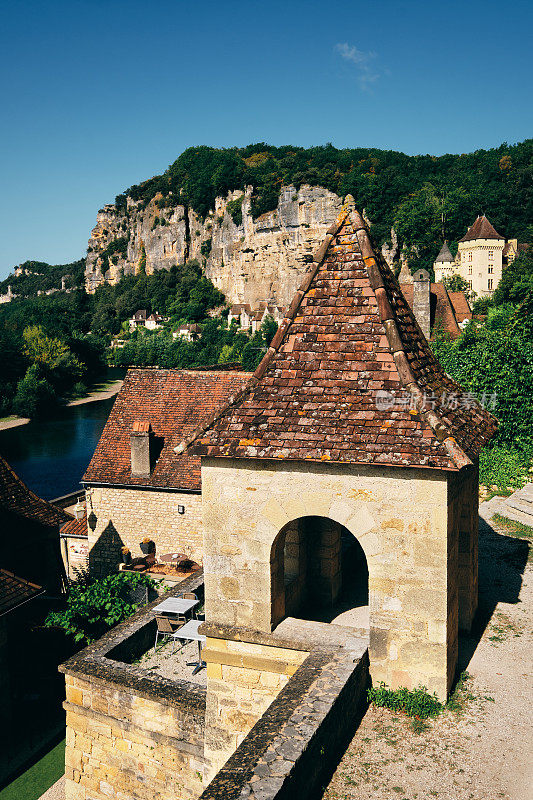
x: 95, y: 662
x: 291, y: 634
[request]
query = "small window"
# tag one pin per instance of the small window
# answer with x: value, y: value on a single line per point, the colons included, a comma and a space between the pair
x: 490, y: 270
x: 490, y: 283
x: 491, y: 255
x: 469, y: 270
x: 469, y: 284
x: 470, y: 256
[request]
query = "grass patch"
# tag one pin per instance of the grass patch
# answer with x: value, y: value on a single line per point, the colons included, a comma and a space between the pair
x: 512, y: 528
x: 39, y: 777
x: 418, y: 704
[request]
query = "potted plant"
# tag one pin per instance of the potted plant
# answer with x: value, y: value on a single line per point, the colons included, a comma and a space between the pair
x: 126, y: 555
x: 147, y: 546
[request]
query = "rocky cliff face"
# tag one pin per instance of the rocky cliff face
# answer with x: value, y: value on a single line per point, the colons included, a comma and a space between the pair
x: 249, y: 260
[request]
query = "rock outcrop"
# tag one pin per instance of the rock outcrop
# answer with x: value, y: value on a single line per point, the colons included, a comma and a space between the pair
x: 249, y: 260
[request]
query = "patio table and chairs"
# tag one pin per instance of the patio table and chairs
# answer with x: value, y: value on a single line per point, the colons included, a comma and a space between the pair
x: 172, y: 623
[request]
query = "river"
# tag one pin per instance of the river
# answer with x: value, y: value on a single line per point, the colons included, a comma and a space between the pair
x: 51, y: 455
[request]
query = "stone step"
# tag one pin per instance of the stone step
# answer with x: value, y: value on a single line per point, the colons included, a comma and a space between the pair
x: 520, y: 505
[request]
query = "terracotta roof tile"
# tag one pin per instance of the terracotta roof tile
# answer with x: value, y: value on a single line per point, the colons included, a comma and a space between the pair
x: 14, y: 591
x: 173, y: 402
x: 481, y: 229
x: 16, y: 498
x: 75, y: 527
x: 461, y: 306
x: 349, y: 336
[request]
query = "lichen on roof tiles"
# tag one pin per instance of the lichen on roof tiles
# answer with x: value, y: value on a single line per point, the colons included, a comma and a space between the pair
x: 349, y: 376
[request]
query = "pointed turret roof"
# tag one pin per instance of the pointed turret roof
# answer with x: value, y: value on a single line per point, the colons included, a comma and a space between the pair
x: 444, y: 254
x: 481, y: 229
x: 349, y: 376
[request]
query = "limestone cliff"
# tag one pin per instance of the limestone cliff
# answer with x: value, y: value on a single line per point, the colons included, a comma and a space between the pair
x: 249, y: 260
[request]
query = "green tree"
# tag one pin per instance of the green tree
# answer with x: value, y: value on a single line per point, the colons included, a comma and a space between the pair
x: 35, y: 396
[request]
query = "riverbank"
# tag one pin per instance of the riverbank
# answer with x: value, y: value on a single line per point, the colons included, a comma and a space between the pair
x: 107, y: 390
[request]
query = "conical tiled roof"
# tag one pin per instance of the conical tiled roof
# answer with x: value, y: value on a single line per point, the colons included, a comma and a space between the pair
x: 349, y: 376
x: 444, y: 254
x: 481, y: 229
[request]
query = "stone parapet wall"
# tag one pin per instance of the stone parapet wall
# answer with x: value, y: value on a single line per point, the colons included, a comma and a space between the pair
x: 120, y: 744
x: 119, y: 517
x: 130, y: 733
x: 243, y: 679
x: 300, y: 737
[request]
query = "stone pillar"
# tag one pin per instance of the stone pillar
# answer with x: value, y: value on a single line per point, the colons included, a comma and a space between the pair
x: 421, y: 307
x: 468, y: 522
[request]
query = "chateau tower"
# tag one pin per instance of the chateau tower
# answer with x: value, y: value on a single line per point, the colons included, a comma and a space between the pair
x: 444, y: 264
x: 479, y: 257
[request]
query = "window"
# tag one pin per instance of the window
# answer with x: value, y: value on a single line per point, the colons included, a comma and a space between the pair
x: 490, y: 270
x: 490, y: 283
x: 470, y: 270
x: 491, y: 255
x: 470, y: 256
x: 469, y: 284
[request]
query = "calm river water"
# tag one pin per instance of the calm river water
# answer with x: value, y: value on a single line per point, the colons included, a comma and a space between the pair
x: 51, y: 456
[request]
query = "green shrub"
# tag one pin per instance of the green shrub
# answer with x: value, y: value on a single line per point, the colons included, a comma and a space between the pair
x: 234, y: 209
x: 95, y: 607
x: 418, y: 703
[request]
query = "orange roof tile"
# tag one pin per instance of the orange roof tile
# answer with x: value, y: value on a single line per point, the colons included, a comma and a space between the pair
x: 16, y: 498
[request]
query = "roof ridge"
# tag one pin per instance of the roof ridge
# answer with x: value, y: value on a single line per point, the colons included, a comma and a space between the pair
x: 55, y: 509
x: 397, y: 348
x: 318, y: 258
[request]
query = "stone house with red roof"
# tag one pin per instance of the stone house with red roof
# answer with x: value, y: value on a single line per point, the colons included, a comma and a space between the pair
x: 136, y: 485
x: 341, y: 485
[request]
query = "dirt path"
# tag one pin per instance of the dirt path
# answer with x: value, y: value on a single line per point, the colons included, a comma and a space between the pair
x: 483, y: 750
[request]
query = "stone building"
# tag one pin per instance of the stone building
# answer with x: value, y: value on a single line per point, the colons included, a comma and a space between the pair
x: 346, y: 470
x: 136, y: 485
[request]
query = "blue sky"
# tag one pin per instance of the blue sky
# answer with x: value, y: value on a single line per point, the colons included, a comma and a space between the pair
x: 99, y: 95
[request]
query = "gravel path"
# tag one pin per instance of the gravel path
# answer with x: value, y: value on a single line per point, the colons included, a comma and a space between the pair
x: 483, y: 750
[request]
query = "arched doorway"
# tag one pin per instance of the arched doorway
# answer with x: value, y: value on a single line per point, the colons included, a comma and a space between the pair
x: 319, y: 572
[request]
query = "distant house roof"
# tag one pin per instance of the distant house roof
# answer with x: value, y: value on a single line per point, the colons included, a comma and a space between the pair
x: 318, y: 394
x: 481, y: 229
x: 15, y: 591
x: 174, y: 403
x: 461, y: 306
x: 75, y: 527
x: 16, y: 498
x: 140, y: 314
x: 445, y: 254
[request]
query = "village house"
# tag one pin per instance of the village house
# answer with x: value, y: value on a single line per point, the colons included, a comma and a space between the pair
x: 136, y: 485
x: 141, y: 319
x: 248, y: 318
x: 190, y: 331
x: 481, y: 256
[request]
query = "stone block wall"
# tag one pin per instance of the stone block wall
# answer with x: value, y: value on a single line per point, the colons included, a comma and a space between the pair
x: 120, y: 744
x: 463, y: 493
x: 119, y: 517
x: 243, y: 679
x: 400, y: 518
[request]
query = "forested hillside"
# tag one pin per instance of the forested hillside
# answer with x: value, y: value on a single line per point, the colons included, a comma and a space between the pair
x: 427, y: 198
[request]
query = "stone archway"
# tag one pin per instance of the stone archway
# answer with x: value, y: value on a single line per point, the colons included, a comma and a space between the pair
x: 318, y: 570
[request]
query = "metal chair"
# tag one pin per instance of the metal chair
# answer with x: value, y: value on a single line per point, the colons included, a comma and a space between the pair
x: 166, y: 627
x: 188, y: 596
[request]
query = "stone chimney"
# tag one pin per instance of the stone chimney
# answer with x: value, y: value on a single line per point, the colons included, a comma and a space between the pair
x: 140, y: 448
x: 421, y: 308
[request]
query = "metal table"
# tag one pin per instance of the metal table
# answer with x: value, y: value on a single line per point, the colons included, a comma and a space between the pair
x: 190, y: 631
x: 175, y: 605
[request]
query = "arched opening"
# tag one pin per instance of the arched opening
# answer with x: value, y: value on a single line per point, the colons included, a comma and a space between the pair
x: 319, y: 572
